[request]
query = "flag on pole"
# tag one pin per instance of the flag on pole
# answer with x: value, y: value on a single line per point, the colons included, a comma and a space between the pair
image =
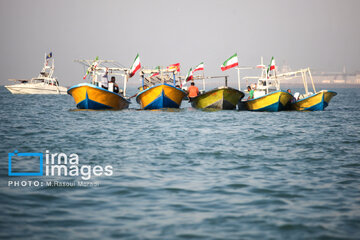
x: 135, y: 66
x: 157, y: 73
x: 199, y: 67
x: 230, y: 63
x: 92, y: 66
x: 174, y: 66
x: 49, y: 56
x: 271, y: 65
x: 189, y: 75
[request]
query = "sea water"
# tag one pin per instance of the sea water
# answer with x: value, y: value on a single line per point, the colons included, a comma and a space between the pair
x: 182, y: 174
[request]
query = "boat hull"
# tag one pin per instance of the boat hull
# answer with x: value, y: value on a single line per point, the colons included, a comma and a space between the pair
x: 272, y: 102
x: 316, y: 102
x: 88, y: 96
x: 160, y: 96
x: 35, y: 88
x: 222, y: 98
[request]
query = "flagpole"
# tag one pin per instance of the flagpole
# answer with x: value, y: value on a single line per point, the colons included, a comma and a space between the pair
x: 174, y: 78
x: 162, y: 79
x: 143, y: 76
x: 238, y: 71
x: 125, y: 82
x: 203, y: 81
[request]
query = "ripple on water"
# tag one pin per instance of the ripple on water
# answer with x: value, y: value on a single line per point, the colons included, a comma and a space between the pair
x: 187, y: 174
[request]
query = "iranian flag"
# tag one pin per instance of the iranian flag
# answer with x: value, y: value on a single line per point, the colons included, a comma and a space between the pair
x: 135, y: 66
x: 271, y: 65
x: 230, y: 63
x: 189, y: 75
x: 157, y: 73
x: 199, y: 67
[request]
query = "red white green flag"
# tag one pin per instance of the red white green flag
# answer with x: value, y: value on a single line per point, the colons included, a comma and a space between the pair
x: 271, y: 65
x: 230, y: 63
x: 174, y: 66
x: 135, y: 66
x: 199, y: 67
x: 157, y: 73
x: 189, y: 75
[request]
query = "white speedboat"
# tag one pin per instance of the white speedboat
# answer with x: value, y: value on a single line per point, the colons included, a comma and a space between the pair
x: 45, y: 83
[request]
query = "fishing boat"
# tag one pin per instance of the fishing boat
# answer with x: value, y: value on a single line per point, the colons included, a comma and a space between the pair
x: 267, y: 95
x: 308, y: 101
x: 44, y: 83
x: 159, y: 91
x: 314, y: 102
x: 221, y: 98
x: 93, y: 95
x: 274, y: 101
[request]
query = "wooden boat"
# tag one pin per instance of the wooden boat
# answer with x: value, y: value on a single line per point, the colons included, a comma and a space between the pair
x: 92, y: 95
x: 222, y: 98
x: 160, y: 92
x: 267, y: 94
x: 45, y: 83
x: 315, y: 102
x: 160, y: 96
x: 309, y: 101
x: 272, y: 102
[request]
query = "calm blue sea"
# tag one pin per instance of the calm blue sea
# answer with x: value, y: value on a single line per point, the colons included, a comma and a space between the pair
x: 183, y: 174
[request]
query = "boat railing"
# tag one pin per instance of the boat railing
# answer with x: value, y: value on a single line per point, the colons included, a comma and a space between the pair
x: 305, y: 75
x: 113, y: 68
x: 204, y: 78
x: 162, y: 77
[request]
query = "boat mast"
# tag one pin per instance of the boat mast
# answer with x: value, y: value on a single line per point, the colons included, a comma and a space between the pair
x: 161, y: 75
x: 312, y: 81
x: 126, y: 77
x: 203, y: 80
x: 238, y: 71
x: 276, y: 79
x: 174, y: 78
x: 266, y: 78
x: 143, y: 79
x: 239, y: 86
x: 52, y: 69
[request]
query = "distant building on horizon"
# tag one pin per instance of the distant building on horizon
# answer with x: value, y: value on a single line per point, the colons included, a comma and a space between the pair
x: 321, y: 77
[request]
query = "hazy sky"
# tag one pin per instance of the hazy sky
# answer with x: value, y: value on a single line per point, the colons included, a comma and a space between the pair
x: 322, y: 34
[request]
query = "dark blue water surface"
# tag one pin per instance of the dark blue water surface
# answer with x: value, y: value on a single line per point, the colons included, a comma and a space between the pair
x: 185, y: 174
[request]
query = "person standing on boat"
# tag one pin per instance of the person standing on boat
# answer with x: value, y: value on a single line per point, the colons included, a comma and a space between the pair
x: 251, y: 93
x: 193, y: 91
x: 116, y: 87
x: 105, y: 80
